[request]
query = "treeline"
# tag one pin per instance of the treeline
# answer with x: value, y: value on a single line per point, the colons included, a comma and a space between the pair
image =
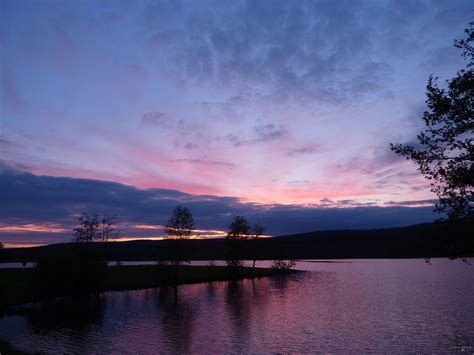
x: 443, y: 239
x: 180, y: 226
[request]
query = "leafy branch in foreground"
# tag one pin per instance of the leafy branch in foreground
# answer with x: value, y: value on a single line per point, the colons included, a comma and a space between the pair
x: 444, y: 152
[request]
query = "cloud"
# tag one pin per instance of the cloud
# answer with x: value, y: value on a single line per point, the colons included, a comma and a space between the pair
x: 29, y: 199
x: 298, y: 50
x: 303, y: 150
x: 328, y: 203
x: 191, y: 146
x: 430, y: 202
x: 231, y: 109
x: 269, y: 132
x: 9, y: 166
x: 235, y: 140
x: 262, y: 133
x: 205, y: 162
x: 6, y: 144
x: 157, y: 119
x: 202, y: 78
x: 299, y: 182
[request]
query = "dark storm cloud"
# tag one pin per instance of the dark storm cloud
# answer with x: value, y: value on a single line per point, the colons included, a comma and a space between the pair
x: 28, y: 198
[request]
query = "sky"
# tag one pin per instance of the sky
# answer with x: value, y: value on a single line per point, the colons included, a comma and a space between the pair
x: 279, y: 110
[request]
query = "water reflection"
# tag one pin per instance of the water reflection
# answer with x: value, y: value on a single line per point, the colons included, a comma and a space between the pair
x: 176, y: 316
x: 72, y: 314
x: 239, y: 313
x: 369, y: 306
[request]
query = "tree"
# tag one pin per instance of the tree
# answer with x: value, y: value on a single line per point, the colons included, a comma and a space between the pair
x: 445, y: 152
x: 92, y: 228
x: 239, y: 229
x: 181, y: 224
x: 88, y: 228
x: 107, y: 228
x: 2, y: 245
x: 258, y: 231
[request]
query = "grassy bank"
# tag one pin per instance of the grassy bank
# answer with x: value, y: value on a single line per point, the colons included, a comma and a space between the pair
x: 16, y: 285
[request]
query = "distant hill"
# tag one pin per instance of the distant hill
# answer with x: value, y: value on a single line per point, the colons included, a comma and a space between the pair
x: 418, y: 241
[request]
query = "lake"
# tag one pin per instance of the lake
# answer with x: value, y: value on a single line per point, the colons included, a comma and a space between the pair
x: 380, y: 306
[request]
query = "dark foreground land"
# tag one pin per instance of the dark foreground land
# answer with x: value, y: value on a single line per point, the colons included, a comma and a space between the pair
x: 18, y: 285
x: 442, y: 239
x: 65, y: 262
x: 6, y: 348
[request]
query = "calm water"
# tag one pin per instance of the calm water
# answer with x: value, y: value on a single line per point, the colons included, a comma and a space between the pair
x: 360, y: 306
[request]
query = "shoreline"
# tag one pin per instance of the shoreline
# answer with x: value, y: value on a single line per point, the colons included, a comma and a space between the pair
x: 16, y: 285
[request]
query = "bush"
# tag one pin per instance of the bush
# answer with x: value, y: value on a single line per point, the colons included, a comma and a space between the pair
x: 283, y: 265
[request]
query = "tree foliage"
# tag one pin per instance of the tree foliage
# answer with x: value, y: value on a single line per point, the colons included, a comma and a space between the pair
x: 181, y: 224
x: 444, y: 152
x: 2, y: 245
x: 239, y: 228
x: 107, y: 230
x: 257, y: 231
x: 87, y: 230
x: 92, y: 228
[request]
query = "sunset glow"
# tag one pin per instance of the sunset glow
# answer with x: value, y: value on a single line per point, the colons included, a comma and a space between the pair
x: 141, y: 108
x: 236, y: 176
x: 31, y: 228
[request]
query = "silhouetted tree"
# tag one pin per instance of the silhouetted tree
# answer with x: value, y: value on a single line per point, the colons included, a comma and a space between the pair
x: 257, y: 231
x: 92, y: 228
x: 107, y: 230
x: 2, y: 245
x: 88, y: 228
x: 239, y: 228
x: 445, y: 151
x: 181, y: 224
